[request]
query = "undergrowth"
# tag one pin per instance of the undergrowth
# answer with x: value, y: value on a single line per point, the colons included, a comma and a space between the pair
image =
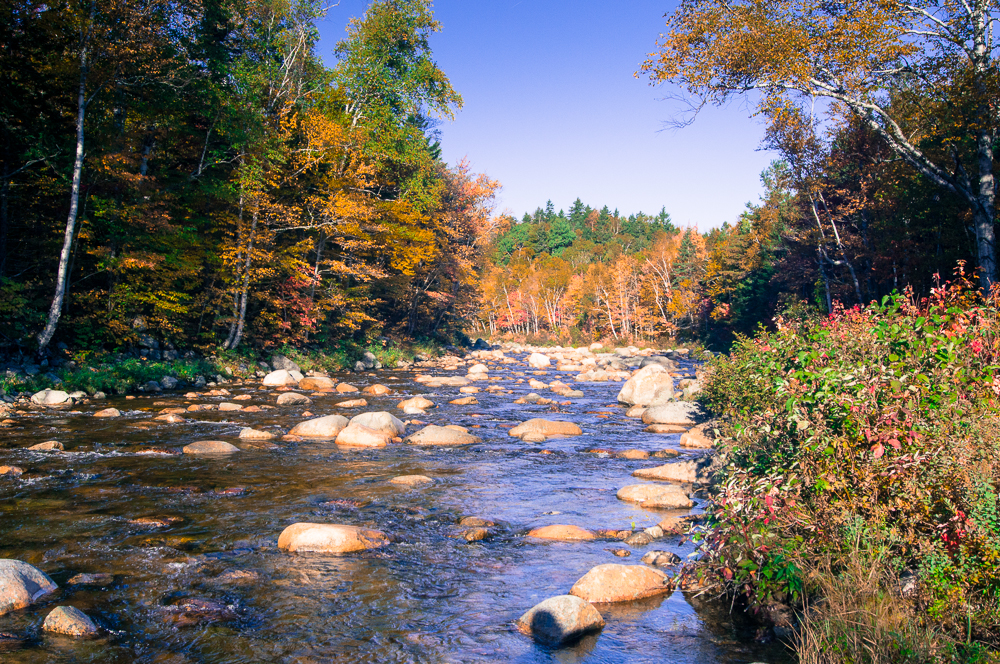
x: 881, y: 421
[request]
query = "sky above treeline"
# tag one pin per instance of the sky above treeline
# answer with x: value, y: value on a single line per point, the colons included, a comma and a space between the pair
x: 553, y: 110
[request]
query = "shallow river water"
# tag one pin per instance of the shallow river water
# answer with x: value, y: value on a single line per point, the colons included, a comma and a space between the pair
x: 427, y: 597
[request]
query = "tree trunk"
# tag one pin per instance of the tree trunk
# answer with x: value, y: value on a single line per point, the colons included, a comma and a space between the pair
x: 984, y: 209
x: 242, y: 316
x: 55, y: 310
x: 4, y: 220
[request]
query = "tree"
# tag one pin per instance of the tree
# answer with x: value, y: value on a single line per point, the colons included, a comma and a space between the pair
x: 921, y: 74
x: 119, y: 45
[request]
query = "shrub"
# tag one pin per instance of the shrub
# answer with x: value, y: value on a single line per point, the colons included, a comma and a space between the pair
x: 880, y: 420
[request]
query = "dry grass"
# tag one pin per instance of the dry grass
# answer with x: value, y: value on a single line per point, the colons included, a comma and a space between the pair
x: 863, y: 619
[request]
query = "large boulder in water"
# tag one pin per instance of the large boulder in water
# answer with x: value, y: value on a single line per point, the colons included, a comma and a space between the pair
x: 380, y: 421
x: 321, y: 427
x: 650, y: 386
x: 281, y: 378
x: 560, y: 619
x: 317, y: 384
x: 357, y: 435
x: 435, y: 435
x: 656, y: 496
x: 678, y: 413
x: 51, y: 398
x: 329, y: 538
x: 21, y: 584
x: 539, y: 361
x: 621, y: 583
x: 546, y: 428
x: 70, y: 621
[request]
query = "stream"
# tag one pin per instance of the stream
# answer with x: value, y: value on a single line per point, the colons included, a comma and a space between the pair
x: 429, y: 596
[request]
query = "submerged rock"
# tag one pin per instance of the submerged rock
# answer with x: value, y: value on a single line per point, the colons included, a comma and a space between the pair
x: 545, y: 428
x: 415, y: 402
x: 329, y: 538
x: 621, y: 583
x: 21, y: 584
x: 70, y: 621
x: 411, y: 480
x: 678, y: 471
x: 108, y: 412
x: 210, y: 447
x: 560, y: 620
x: 562, y: 533
x: 661, y: 558
x: 435, y: 435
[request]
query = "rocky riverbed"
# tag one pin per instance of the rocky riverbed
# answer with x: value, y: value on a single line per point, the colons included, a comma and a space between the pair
x: 508, y: 505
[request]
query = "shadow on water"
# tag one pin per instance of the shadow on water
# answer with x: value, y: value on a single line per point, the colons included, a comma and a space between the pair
x: 206, y: 582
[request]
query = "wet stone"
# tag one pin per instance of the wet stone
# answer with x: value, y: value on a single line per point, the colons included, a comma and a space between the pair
x: 192, y: 611
x: 69, y: 621
x: 100, y: 579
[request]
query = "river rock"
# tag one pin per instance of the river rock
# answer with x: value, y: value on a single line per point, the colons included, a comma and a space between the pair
x: 169, y: 383
x: 21, y: 584
x: 415, y: 402
x: 678, y: 413
x: 475, y: 534
x: 280, y: 362
x: 635, y: 411
x: 280, y: 378
x: 227, y: 407
x: 621, y: 583
x: 169, y: 418
x: 70, y: 621
x: 698, y: 438
x: 48, y: 446
x: 560, y: 620
x: 380, y: 421
x: 656, y: 496
x: 546, y: 428
x: 101, y: 579
x: 476, y: 521
x: 664, y: 428
x: 321, y: 427
x: 411, y: 480
x: 255, y: 434
x: 108, y: 412
x: 51, y: 398
x: 11, y: 471
x: 376, y: 390
x: 358, y: 435
x: 344, y: 388
x: 317, y: 384
x: 648, y: 387
x: 465, y: 401
x: 639, y: 539
x: 633, y: 454
x: 435, y: 435
x: 293, y: 399
x: 661, y: 558
x: 539, y: 361
x: 351, y: 403
x: 329, y: 538
x: 562, y: 533
x: 210, y: 447
x: 678, y: 471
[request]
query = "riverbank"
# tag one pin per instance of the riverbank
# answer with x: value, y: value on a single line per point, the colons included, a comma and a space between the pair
x: 861, y: 485
x: 144, y: 369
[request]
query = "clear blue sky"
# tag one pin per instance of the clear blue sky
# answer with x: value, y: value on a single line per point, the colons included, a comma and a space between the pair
x: 552, y: 110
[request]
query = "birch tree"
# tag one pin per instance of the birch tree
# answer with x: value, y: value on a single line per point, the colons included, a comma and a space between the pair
x: 922, y: 74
